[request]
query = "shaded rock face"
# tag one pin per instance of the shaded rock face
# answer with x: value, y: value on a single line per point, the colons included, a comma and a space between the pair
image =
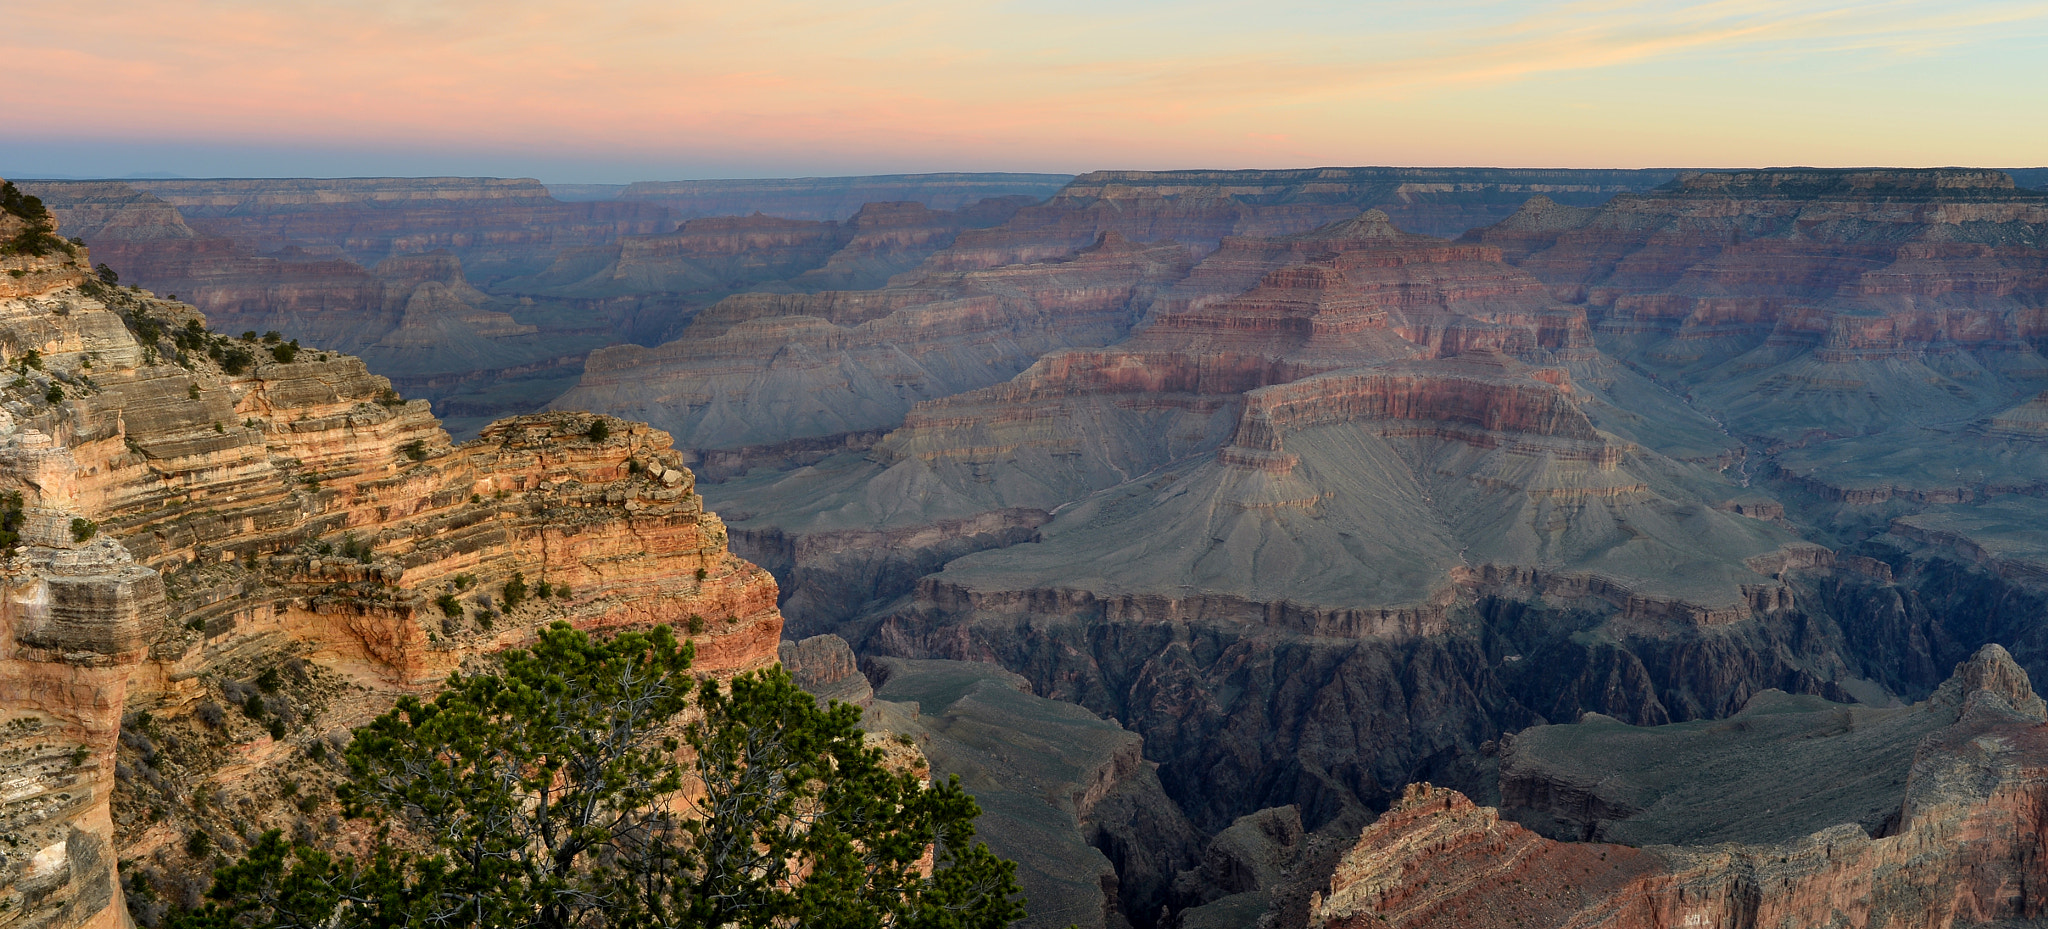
x: 495, y: 225
x: 1348, y: 506
x: 1065, y: 794
x: 1200, y: 208
x: 756, y: 377
x: 1964, y: 846
x: 181, y: 525
x: 654, y: 286
x: 837, y: 198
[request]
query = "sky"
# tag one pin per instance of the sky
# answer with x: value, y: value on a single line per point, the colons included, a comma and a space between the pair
x: 609, y: 91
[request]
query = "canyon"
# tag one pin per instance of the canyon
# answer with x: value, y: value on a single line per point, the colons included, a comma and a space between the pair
x: 1192, y: 518
x: 198, y: 520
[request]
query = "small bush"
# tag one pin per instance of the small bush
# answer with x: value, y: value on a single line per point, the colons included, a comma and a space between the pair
x: 277, y: 730
x: 545, y: 590
x: 82, y: 528
x: 198, y: 843
x: 192, y: 392
x: 415, y: 449
x: 236, y: 361
x: 284, y: 353
x: 253, y: 707
x: 561, y: 591
x: 55, y: 394
x: 210, y: 713
x: 273, y: 337
x: 361, y: 551
x: 249, y: 336
x: 695, y: 624
x: 106, y: 274
x: 450, y: 607
x: 269, y: 681
x: 514, y: 591
x: 599, y: 431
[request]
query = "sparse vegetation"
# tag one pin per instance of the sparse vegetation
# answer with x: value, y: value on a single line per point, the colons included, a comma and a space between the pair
x: 40, y: 236
x: 82, y: 529
x: 450, y: 607
x: 514, y: 591
x: 10, y: 521
x: 599, y: 431
x: 352, y: 547
x: 415, y: 450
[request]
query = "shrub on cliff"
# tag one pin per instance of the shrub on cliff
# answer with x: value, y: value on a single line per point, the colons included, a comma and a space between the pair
x: 39, y: 235
x: 546, y: 795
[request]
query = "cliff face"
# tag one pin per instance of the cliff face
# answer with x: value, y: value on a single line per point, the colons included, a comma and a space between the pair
x: 836, y: 364
x: 1963, y: 846
x: 189, y: 514
x: 653, y: 286
x: 1200, y: 208
x: 413, y: 316
x: 836, y: 198
x: 496, y: 225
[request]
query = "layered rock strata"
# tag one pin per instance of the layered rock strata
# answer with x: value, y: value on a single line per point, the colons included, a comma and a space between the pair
x: 187, y: 508
x: 498, y: 226
x: 414, y: 316
x: 1963, y: 844
x: 653, y: 286
x: 765, y: 371
x: 836, y: 198
x: 1200, y: 208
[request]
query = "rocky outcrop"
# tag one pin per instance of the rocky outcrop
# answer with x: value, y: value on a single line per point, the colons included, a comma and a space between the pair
x: 1963, y: 846
x: 824, y: 666
x: 184, y: 508
x: 414, y: 317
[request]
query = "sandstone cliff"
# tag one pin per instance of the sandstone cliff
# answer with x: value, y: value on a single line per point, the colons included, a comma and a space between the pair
x: 186, y: 509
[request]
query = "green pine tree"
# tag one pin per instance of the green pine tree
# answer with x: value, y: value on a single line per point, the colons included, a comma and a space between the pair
x: 548, y: 795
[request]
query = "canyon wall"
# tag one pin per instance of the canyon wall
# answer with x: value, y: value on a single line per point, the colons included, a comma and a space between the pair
x: 186, y: 509
x: 1963, y: 844
x: 834, y: 198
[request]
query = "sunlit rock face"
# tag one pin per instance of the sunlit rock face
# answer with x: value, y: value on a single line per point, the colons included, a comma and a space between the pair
x: 180, y: 526
x: 1962, y: 781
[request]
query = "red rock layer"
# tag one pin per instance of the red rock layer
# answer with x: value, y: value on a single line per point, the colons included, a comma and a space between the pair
x: 297, y: 509
x: 1858, y: 262
x: 1974, y: 834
